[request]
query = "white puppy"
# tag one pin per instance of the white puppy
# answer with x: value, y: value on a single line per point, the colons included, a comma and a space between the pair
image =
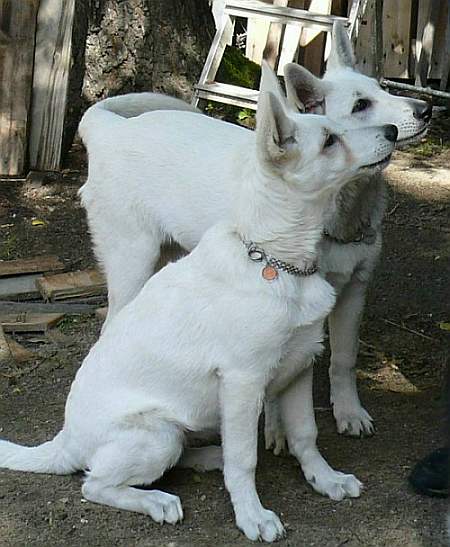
x: 208, y: 336
x: 135, y: 203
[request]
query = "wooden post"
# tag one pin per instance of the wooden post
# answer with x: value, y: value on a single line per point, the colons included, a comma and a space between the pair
x: 378, y: 38
x: 272, y: 47
x: 18, y: 22
x: 50, y: 82
x: 427, y: 39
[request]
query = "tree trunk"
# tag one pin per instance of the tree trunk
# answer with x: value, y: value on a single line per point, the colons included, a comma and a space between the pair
x: 146, y: 45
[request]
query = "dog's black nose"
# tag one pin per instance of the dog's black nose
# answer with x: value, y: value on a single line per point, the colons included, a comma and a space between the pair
x: 391, y: 132
x: 423, y: 111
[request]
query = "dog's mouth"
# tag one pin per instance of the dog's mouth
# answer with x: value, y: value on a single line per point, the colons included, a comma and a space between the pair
x: 378, y: 164
x: 413, y: 138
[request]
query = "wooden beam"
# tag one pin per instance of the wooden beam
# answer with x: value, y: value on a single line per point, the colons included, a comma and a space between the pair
x: 18, y: 22
x: 427, y: 40
x: 50, y: 83
x: 39, y: 264
x: 71, y: 285
x: 272, y: 47
x: 29, y: 322
x: 396, y: 41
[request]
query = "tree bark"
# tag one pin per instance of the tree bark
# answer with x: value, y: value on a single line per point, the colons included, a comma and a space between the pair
x: 146, y: 45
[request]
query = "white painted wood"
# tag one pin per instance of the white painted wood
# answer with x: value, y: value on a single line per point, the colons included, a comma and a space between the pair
x: 50, y: 82
x: 316, y: 6
x: 229, y: 94
x: 258, y: 9
x: 215, y: 54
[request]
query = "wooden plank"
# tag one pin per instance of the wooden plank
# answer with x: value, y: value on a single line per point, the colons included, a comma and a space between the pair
x: 221, y: 39
x: 272, y: 47
x: 229, y: 94
x: 50, y: 82
x: 18, y: 22
x: 29, y: 322
x: 441, y: 46
x: 396, y: 38
x: 257, y: 30
x: 71, y: 285
x: 291, y: 39
x: 429, y: 31
x: 316, y: 6
x: 257, y: 9
x: 5, y: 350
x: 364, y: 40
x: 313, y: 41
x: 68, y: 308
x: 445, y: 61
x: 38, y: 264
x: 19, y: 287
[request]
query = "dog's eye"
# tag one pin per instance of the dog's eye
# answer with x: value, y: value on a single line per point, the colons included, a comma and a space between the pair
x: 360, y: 105
x: 331, y: 139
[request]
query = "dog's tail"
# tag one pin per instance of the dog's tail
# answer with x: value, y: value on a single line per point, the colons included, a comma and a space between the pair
x: 50, y: 457
x: 112, y: 110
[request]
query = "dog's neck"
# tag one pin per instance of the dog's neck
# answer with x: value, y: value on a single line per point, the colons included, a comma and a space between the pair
x: 356, y: 209
x: 272, y: 216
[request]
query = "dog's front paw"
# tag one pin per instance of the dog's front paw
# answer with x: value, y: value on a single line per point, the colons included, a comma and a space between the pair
x: 163, y: 507
x: 353, y: 420
x: 335, y: 485
x: 259, y: 524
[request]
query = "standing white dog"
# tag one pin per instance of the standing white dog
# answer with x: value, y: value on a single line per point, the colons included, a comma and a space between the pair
x: 134, y: 202
x: 210, y: 335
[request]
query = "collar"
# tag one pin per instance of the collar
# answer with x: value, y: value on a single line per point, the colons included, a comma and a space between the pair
x: 367, y: 236
x: 274, y: 265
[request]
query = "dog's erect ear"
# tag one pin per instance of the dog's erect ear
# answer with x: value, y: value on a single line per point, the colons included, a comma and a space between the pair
x: 341, y: 49
x: 275, y: 131
x: 270, y: 83
x: 305, y: 92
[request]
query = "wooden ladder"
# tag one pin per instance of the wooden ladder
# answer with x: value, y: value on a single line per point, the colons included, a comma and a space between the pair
x: 208, y: 88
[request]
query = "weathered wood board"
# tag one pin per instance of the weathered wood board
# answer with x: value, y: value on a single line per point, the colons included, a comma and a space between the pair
x: 396, y: 37
x: 71, y: 285
x: 18, y: 22
x: 38, y: 264
x: 29, y: 322
x: 50, y: 82
x: 21, y: 287
x: 5, y: 350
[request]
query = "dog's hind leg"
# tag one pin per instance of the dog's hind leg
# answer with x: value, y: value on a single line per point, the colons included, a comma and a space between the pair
x: 273, y: 427
x: 128, y: 264
x: 136, y: 457
x: 344, y: 322
x: 205, y: 458
x: 297, y: 412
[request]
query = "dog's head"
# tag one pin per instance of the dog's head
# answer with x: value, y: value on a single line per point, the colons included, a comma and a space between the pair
x: 351, y: 98
x: 313, y: 152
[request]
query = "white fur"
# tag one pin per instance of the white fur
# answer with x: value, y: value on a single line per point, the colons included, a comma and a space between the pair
x: 207, y: 338
x: 167, y: 175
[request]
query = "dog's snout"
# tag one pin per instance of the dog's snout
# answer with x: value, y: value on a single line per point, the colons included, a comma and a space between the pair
x: 391, y: 132
x: 423, y: 111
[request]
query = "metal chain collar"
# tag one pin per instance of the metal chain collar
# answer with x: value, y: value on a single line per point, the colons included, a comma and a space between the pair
x: 257, y: 254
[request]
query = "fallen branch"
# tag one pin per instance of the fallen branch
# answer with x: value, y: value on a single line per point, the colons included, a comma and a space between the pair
x: 407, y: 329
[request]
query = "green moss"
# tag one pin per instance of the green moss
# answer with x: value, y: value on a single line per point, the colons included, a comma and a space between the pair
x: 236, y: 69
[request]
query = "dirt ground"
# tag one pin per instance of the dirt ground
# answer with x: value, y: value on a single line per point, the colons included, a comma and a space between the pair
x: 403, y: 356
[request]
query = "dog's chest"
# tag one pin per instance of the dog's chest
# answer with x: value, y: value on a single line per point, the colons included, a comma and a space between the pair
x: 338, y: 262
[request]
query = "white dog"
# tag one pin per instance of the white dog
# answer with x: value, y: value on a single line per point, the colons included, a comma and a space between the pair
x: 134, y: 205
x: 209, y: 336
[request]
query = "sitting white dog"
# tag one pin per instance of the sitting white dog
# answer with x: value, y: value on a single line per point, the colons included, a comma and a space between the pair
x: 210, y: 335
